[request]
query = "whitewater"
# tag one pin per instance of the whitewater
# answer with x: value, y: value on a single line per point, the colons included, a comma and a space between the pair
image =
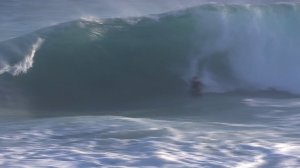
x: 107, y: 83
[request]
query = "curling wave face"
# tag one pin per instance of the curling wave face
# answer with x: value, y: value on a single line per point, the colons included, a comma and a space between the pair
x: 113, y: 62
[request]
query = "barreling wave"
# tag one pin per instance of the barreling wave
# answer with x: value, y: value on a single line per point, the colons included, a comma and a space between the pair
x: 116, y: 61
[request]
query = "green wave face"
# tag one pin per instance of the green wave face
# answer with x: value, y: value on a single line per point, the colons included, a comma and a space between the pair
x: 115, y: 62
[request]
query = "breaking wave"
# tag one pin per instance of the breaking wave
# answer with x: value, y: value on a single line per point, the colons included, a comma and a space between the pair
x: 112, y: 62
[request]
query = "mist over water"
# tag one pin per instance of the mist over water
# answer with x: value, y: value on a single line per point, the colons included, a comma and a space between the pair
x: 238, y: 38
x: 19, y: 17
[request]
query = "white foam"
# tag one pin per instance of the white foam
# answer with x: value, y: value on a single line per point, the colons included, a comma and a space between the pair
x: 82, y: 141
x: 24, y: 65
x: 259, y: 44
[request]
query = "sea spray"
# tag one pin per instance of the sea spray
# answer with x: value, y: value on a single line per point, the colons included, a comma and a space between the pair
x: 249, y: 47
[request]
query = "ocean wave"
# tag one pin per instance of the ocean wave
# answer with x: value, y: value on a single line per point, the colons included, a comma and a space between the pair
x: 115, y: 61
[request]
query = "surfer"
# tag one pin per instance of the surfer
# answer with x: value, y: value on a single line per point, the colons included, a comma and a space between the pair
x: 196, y: 86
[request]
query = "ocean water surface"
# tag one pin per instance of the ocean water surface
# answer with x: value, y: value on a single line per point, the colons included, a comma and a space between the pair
x: 107, y: 84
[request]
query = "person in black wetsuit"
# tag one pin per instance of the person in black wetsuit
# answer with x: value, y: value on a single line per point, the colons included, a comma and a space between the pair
x: 196, y: 86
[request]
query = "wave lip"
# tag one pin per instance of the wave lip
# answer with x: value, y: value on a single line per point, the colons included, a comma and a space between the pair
x: 24, y: 65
